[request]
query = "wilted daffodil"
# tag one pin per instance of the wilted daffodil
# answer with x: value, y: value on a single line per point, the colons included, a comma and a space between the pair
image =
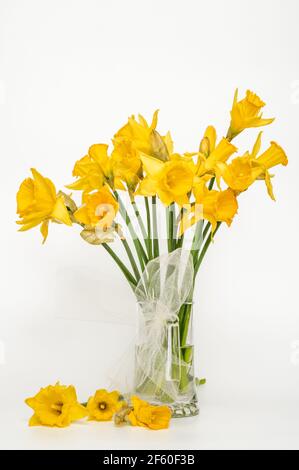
x: 99, y: 209
x: 246, y: 113
x: 55, y: 405
x: 148, y: 416
x: 103, y: 405
x: 97, y: 235
x: 38, y: 203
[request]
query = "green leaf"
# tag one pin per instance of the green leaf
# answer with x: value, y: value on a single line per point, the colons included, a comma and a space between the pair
x: 200, y: 381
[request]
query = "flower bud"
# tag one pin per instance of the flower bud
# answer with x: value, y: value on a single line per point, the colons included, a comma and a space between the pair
x: 205, y: 146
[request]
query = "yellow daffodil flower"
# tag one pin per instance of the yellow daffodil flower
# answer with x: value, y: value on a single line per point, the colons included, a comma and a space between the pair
x: 171, y: 181
x: 273, y: 156
x: 214, y: 206
x: 210, y: 153
x: 246, y: 113
x: 243, y: 171
x: 93, y: 170
x: 55, y: 406
x: 122, y: 169
x: 38, y: 203
x: 148, y: 416
x: 103, y: 405
x: 99, y: 154
x: 138, y: 131
x: 127, y: 165
x: 135, y: 138
x: 175, y: 181
x: 99, y: 209
x: 240, y: 173
x: 221, y: 153
x: 144, y: 138
x: 89, y: 174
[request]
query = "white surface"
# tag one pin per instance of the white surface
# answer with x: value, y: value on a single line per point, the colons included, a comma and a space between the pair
x: 70, y: 74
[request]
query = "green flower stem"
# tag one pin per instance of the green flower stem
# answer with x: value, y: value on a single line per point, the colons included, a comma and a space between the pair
x: 230, y: 135
x: 204, y: 249
x: 138, y: 246
x: 181, y: 318
x: 174, y: 227
x: 206, y: 229
x: 131, y: 258
x: 211, y: 183
x: 149, y: 228
x: 176, y: 223
x: 184, y: 381
x: 185, y: 311
x: 185, y: 324
x: 197, y: 240
x: 169, y: 227
x: 156, y: 249
x: 169, y: 245
x: 180, y: 241
x: 180, y: 238
x: 147, y: 241
x: 184, y: 321
x: 124, y: 269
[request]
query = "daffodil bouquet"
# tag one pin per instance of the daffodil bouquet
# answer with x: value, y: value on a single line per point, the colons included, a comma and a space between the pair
x: 122, y: 192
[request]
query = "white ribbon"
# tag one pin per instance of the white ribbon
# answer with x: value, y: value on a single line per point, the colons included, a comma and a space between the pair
x: 166, y: 284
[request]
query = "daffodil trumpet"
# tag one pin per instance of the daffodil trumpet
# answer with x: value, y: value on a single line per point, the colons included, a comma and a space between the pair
x: 143, y: 164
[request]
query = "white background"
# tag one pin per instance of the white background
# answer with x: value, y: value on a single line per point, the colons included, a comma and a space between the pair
x: 70, y: 74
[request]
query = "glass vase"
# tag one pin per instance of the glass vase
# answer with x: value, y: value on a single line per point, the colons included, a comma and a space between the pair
x: 164, y: 372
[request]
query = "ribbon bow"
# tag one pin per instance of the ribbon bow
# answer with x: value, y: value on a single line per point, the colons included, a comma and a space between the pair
x: 165, y: 285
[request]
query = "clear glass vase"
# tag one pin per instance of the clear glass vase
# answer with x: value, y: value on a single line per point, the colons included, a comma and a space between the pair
x: 164, y: 366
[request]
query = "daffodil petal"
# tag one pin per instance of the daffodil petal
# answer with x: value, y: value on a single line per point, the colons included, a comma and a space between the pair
x: 269, y: 185
x: 147, y: 187
x: 25, y: 196
x: 34, y: 421
x: 29, y: 225
x: 60, y: 212
x: 151, y: 165
x: 44, y: 188
x: 210, y: 134
x: 257, y: 145
x: 44, y: 230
